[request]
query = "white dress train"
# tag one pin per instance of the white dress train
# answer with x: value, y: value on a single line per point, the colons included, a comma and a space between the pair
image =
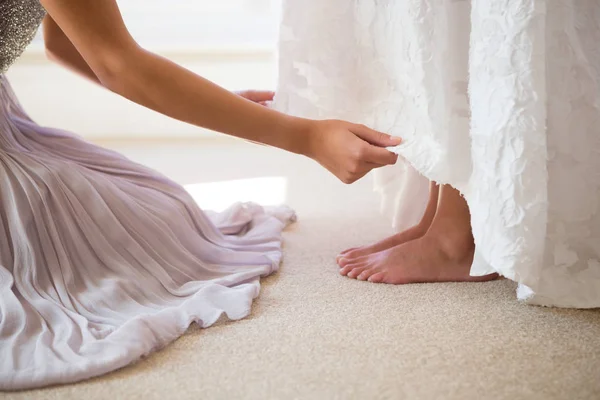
x: 498, y: 98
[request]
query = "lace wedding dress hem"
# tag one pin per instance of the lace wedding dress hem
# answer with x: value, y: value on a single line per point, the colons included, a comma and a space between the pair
x: 499, y: 100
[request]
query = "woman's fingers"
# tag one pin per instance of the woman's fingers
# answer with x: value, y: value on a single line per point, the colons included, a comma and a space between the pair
x: 350, y: 151
x: 377, y: 155
x: 374, y: 137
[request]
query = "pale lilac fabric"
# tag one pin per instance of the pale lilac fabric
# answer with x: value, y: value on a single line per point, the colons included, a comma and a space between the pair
x: 103, y: 261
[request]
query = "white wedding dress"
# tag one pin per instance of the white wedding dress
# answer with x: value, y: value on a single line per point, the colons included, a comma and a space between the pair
x: 498, y: 98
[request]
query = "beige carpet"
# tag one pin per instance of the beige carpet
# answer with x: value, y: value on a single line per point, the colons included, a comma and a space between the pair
x: 316, y: 335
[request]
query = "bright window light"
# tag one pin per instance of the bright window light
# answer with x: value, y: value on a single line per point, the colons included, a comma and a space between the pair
x: 217, y: 196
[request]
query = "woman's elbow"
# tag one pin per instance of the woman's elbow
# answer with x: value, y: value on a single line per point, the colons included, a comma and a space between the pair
x: 113, y: 68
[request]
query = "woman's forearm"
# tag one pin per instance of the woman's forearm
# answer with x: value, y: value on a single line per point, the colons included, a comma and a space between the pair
x: 163, y: 86
x: 159, y: 84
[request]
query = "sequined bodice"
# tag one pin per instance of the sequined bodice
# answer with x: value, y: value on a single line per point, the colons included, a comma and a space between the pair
x: 19, y: 21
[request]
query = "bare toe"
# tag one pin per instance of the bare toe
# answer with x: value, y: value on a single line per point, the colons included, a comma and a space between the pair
x: 352, y: 255
x: 357, y: 271
x: 344, y: 253
x: 348, y: 268
x: 356, y: 261
x: 356, y: 253
x: 377, y: 277
x: 367, y: 273
x: 343, y: 262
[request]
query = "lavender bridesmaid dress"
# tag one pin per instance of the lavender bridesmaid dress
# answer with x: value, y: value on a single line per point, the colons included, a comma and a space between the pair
x: 103, y: 260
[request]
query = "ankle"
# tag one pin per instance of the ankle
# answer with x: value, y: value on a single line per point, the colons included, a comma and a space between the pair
x: 455, y: 242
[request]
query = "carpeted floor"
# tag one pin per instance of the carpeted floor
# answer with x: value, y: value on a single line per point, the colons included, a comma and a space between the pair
x: 316, y: 335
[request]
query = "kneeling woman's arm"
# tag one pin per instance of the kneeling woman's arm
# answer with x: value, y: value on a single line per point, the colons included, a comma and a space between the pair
x: 60, y: 50
x: 98, y: 45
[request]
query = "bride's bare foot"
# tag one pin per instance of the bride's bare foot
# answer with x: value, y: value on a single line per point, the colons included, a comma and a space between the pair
x: 427, y: 259
x: 415, y: 232
x: 350, y: 255
x: 443, y: 254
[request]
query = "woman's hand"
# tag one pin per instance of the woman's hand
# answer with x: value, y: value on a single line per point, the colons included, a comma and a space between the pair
x: 262, y: 97
x: 349, y: 151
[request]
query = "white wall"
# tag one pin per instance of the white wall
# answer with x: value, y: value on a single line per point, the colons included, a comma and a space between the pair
x: 231, y: 42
